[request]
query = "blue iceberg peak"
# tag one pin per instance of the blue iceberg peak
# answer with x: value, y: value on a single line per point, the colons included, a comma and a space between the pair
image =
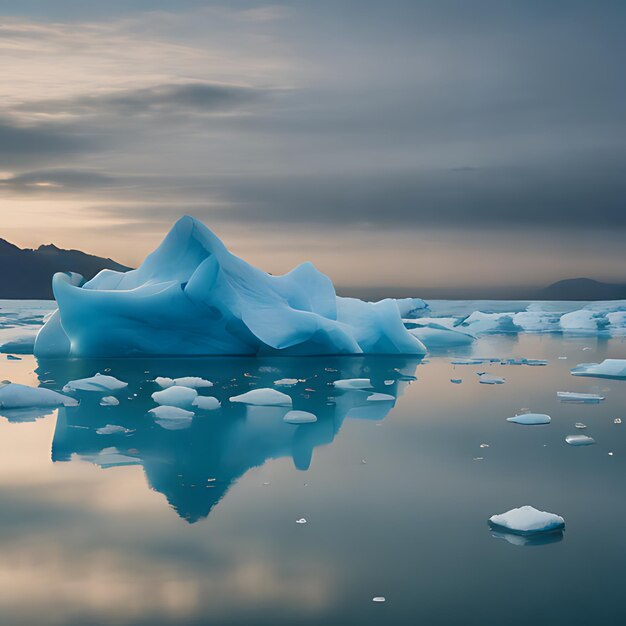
x: 192, y: 296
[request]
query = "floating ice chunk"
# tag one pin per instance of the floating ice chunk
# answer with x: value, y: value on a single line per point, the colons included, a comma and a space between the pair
x: 583, y: 320
x: 381, y: 397
x: 582, y: 398
x: 301, y: 521
x: 11, y: 357
x: 479, y: 322
x: 468, y: 361
x: 389, y: 382
x: 263, y: 397
x: 456, y: 381
x: 286, y: 382
x: 379, y: 599
x: 580, y: 425
x: 172, y: 417
x: 562, y: 358
x: 299, y: 417
x: 15, y: 396
x: 534, y: 320
x: 22, y: 344
x: 100, y: 383
x: 435, y: 336
x: 113, y: 429
x: 490, y: 379
x: 530, y: 419
x: 175, y: 396
x: 527, y: 520
x: 609, y: 368
x: 192, y: 296
x: 193, y: 382
x: 617, y: 420
x: 579, y: 440
x: 353, y: 383
x: 206, y: 403
x: 109, y: 401
x: 535, y: 362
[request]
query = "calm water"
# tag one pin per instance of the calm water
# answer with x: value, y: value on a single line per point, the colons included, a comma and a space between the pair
x: 198, y: 525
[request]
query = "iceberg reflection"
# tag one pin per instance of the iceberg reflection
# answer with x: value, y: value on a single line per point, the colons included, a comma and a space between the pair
x: 195, y: 464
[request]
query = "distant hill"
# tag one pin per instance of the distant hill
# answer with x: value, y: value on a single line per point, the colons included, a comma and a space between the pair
x: 583, y: 289
x: 27, y: 274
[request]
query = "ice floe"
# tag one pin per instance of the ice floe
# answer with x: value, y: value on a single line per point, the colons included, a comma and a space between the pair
x: 172, y: 417
x: 206, y: 403
x: 579, y: 440
x: 299, y: 417
x: 109, y: 401
x: 263, y: 397
x: 101, y: 383
x: 527, y: 520
x: 381, y: 397
x: 490, y: 379
x: 530, y: 419
x: 16, y: 396
x: 194, y: 382
x: 286, y: 382
x: 113, y: 429
x: 348, y: 384
x: 175, y: 396
x: 579, y: 398
x: 609, y: 368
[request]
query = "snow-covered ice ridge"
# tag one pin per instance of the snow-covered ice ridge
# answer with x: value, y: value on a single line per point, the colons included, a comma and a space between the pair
x: 192, y: 296
x: 492, y: 316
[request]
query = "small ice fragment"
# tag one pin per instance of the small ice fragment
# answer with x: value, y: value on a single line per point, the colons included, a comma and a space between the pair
x: 467, y: 361
x: 11, y: 357
x: 617, y: 420
x: 389, y: 382
x: 16, y: 396
x: 489, y: 379
x: 380, y: 397
x: 299, y: 417
x: 478, y: 458
x: 170, y: 412
x: 100, y: 383
x: 530, y: 419
x: 301, y: 521
x: 527, y: 520
x: 456, y: 381
x: 266, y: 483
x: 484, y: 445
x: 286, y: 382
x: 113, y: 429
x: 535, y: 362
x: 263, y: 397
x: 562, y: 358
x: 363, y: 462
x: 379, y: 599
x: 194, y: 382
x: 579, y: 440
x: 580, y: 425
x: 586, y: 348
x: 175, y: 396
x: 571, y: 396
x: 109, y: 401
x: 353, y: 383
x: 206, y: 403
x: 610, y: 453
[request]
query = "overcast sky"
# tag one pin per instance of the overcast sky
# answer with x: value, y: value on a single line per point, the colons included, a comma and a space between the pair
x: 412, y: 143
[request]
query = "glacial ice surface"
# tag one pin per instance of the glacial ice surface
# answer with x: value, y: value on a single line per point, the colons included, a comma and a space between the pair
x: 528, y: 520
x: 192, y: 296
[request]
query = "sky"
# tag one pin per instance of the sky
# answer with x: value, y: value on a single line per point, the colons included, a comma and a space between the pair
x: 417, y: 143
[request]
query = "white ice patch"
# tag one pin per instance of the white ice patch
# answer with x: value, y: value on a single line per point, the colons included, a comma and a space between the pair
x: 109, y: 401
x: 530, y: 419
x: 609, y: 368
x: 113, y: 429
x: 579, y: 440
x: 299, y: 417
x: 286, y: 382
x: 580, y: 398
x: 381, y: 397
x: 206, y: 403
x: 15, y: 396
x: 263, y: 397
x: 348, y: 384
x: 100, y: 383
x: 490, y: 379
x: 175, y: 396
x: 528, y: 520
x: 193, y: 382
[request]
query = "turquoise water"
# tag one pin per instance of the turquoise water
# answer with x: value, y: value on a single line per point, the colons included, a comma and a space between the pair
x: 198, y: 525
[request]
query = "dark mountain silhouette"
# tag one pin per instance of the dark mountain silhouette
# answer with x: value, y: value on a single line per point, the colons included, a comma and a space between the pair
x: 27, y: 274
x: 583, y: 289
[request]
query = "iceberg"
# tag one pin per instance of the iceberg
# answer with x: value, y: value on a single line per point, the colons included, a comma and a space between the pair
x: 527, y: 520
x: 194, y: 382
x: 175, y: 396
x: 299, y: 417
x: 529, y: 419
x: 263, y: 397
x: 609, y: 368
x: 490, y: 379
x: 435, y: 336
x: 206, y: 403
x: 192, y: 296
x: 15, y: 396
x: 579, y: 440
x: 100, y: 382
x: 582, y: 398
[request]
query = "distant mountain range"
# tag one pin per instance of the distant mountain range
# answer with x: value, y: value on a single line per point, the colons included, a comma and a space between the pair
x: 27, y: 274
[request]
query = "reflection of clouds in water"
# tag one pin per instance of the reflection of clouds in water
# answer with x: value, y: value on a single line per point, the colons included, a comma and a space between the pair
x: 195, y: 463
